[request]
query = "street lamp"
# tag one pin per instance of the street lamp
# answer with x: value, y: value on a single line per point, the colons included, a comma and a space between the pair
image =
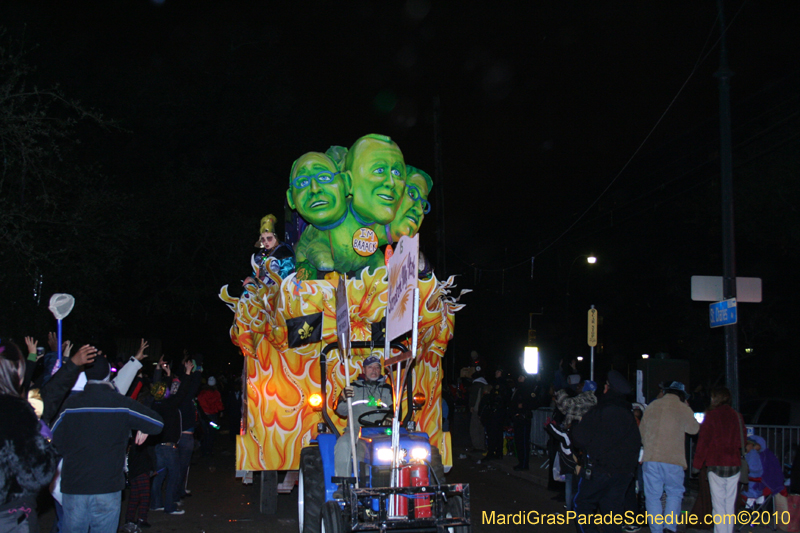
x: 590, y: 259
x: 530, y: 360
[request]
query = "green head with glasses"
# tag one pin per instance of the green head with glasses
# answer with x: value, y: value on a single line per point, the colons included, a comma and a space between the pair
x: 317, y: 189
x: 414, y: 205
x: 377, y: 173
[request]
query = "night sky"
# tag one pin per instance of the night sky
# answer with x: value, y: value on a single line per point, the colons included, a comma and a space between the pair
x: 544, y: 111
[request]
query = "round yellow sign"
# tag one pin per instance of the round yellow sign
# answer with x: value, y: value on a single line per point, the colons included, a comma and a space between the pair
x: 365, y: 242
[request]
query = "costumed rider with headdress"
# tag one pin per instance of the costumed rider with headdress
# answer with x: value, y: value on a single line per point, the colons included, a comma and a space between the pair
x: 273, y: 254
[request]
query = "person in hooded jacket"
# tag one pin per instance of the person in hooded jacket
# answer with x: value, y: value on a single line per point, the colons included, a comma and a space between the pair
x: 609, y: 438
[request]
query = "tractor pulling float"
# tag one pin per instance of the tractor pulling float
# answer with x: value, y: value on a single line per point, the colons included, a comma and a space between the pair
x: 304, y: 327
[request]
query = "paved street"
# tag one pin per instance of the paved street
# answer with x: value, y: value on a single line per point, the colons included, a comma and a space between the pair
x: 221, y: 503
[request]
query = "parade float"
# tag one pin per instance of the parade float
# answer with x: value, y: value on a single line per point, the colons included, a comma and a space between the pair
x: 349, y: 209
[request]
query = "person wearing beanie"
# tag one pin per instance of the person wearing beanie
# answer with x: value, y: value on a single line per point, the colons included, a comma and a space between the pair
x: 367, y: 393
x: 610, y: 440
x: 91, y: 434
x: 575, y: 407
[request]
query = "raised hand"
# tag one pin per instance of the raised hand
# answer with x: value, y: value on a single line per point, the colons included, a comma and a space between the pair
x: 66, y: 348
x: 52, y: 340
x: 140, y: 354
x: 85, y: 355
x: 31, y: 343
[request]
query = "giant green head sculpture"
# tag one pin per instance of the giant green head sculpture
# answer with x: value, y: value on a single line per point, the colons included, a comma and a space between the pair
x: 414, y: 205
x: 377, y: 173
x: 317, y: 190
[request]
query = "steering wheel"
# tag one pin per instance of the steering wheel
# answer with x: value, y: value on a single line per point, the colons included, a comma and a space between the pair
x: 376, y: 423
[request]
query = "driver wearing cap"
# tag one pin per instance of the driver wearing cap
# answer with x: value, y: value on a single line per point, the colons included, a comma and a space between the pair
x: 367, y: 394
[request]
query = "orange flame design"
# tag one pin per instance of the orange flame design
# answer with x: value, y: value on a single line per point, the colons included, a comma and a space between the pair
x: 280, y: 379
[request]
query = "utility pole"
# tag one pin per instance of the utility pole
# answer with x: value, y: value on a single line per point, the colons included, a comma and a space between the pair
x: 726, y: 180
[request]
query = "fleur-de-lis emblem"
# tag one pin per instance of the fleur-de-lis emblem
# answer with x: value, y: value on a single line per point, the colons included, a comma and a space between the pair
x: 306, y: 331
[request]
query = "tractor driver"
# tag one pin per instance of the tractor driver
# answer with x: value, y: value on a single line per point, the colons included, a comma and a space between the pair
x: 367, y: 394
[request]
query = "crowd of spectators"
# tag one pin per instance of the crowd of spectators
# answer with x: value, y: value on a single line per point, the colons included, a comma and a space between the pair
x: 85, y: 429
x: 607, y: 453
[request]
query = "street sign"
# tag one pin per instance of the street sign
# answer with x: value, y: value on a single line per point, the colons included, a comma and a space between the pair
x: 722, y: 313
x: 592, y: 327
x: 709, y: 289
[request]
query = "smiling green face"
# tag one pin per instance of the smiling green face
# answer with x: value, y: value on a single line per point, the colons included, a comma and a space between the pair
x: 412, y: 208
x: 378, y: 175
x: 317, y: 189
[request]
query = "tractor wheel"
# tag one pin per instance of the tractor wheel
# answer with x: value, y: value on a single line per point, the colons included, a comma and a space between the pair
x: 332, y: 519
x: 455, y: 508
x: 310, y: 490
x: 436, y: 464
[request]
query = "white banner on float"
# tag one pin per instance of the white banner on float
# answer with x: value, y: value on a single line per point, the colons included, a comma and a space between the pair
x: 403, y: 276
x: 342, y: 317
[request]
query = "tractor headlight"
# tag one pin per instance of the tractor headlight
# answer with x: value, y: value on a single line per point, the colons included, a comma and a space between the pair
x: 384, y: 454
x: 419, y: 454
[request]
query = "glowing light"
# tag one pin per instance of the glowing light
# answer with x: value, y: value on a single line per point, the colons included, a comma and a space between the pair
x: 531, y: 360
x: 591, y: 260
x: 315, y: 400
x: 580, y: 358
x: 645, y: 356
x: 419, y: 454
x: 384, y: 454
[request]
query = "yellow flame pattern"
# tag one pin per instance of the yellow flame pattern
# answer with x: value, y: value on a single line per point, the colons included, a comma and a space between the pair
x: 280, y: 379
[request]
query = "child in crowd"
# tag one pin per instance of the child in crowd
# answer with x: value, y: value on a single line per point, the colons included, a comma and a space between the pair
x: 754, y: 488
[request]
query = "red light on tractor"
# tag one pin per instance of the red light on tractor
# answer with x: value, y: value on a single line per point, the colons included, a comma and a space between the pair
x: 419, y: 400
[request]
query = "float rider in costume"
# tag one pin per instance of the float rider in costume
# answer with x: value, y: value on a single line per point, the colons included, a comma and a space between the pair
x: 273, y: 254
x: 367, y: 393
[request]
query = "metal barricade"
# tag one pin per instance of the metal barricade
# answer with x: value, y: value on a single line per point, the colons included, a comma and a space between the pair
x: 538, y: 434
x: 782, y: 440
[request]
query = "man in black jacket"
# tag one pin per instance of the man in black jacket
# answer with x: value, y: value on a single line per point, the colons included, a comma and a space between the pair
x: 92, y: 435
x: 610, y: 440
x: 166, y: 444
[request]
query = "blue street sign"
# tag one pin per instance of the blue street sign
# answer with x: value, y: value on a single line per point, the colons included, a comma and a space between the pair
x: 722, y: 313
